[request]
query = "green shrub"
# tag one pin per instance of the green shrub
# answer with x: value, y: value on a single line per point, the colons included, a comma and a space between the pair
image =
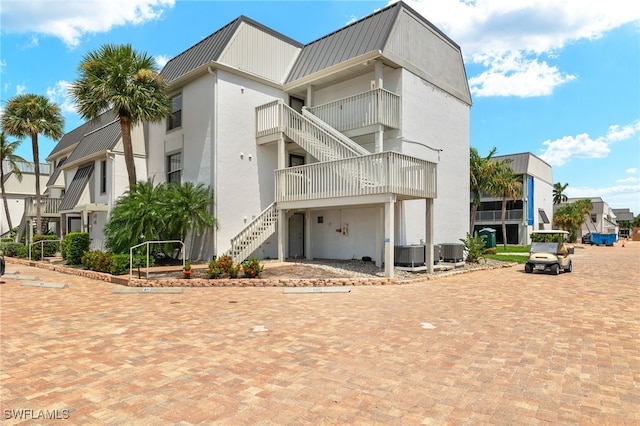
x: 97, y: 260
x: 77, y: 243
x: 120, y: 263
x: 23, y: 251
x: 490, y: 251
x: 474, y: 247
x: 252, y: 267
x: 50, y: 248
x: 11, y: 249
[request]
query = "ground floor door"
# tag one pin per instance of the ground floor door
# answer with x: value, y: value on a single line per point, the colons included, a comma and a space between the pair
x: 74, y: 224
x: 296, y: 236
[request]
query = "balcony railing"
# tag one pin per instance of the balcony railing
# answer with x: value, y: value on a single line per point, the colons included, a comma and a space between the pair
x: 380, y: 173
x: 48, y: 206
x: 377, y: 106
x: 496, y: 215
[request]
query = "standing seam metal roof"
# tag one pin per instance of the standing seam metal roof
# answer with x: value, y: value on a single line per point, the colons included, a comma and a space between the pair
x: 56, y: 172
x: 76, y: 135
x: 100, y: 139
x: 79, y: 182
x: 368, y: 34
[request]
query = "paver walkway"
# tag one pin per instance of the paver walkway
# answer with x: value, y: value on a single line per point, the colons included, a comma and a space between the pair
x: 491, y: 347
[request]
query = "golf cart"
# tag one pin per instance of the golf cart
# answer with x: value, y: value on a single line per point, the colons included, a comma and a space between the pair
x: 549, y: 252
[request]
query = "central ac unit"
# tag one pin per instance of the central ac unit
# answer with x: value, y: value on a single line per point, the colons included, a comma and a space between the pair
x: 452, y: 252
x: 409, y: 255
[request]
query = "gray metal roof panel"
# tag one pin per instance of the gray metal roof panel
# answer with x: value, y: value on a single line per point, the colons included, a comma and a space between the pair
x: 76, y: 135
x: 99, y: 140
x: 368, y: 34
x: 75, y: 189
x: 56, y: 172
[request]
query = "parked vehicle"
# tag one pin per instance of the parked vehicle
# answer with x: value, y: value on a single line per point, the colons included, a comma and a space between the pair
x: 550, y: 252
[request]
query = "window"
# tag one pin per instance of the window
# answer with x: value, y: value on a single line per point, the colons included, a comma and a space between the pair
x: 174, y: 168
x: 103, y: 176
x: 176, y: 113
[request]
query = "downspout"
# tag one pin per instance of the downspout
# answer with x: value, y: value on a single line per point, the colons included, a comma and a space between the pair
x: 214, y: 161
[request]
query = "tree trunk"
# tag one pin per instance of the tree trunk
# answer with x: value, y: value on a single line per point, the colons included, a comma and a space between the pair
x: 125, y: 126
x: 504, y: 223
x: 472, y: 219
x: 36, y: 169
x: 4, y: 197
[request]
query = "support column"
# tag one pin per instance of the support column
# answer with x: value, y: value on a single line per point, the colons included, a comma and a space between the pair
x: 379, y: 237
x: 282, y: 153
x: 379, y: 145
x: 428, y: 227
x: 309, y: 102
x: 307, y: 235
x: 282, y: 234
x: 389, y: 242
x: 379, y: 74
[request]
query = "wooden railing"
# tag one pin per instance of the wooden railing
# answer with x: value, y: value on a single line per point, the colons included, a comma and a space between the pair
x: 386, y: 172
x: 312, y: 136
x: 254, y: 234
x: 377, y: 106
x: 48, y: 206
x: 496, y: 215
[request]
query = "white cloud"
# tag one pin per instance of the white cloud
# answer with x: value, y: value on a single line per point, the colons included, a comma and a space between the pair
x: 511, y: 39
x: 619, y: 196
x: 71, y: 20
x: 20, y: 89
x: 628, y: 180
x: 560, y: 151
x: 59, y: 94
x: 161, y: 60
x: 631, y: 171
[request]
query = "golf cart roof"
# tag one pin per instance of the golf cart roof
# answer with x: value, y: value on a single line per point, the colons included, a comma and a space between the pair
x: 551, y: 231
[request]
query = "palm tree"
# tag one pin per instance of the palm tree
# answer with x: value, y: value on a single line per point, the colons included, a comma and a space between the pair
x: 118, y: 78
x: 506, y: 185
x: 191, y: 206
x: 570, y: 217
x: 7, y: 155
x: 482, y: 170
x: 558, y: 193
x: 31, y: 115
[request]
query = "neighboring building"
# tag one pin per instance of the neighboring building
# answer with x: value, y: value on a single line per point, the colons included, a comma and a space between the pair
x: 20, y: 193
x: 624, y: 219
x: 341, y: 148
x: 601, y: 220
x: 90, y: 174
x: 532, y: 211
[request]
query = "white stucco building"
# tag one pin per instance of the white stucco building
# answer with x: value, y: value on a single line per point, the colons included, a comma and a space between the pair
x: 20, y: 193
x: 340, y: 148
x: 532, y: 211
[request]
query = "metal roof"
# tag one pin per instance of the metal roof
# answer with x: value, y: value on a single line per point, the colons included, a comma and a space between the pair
x: 73, y: 193
x: 100, y: 139
x: 76, y: 135
x: 211, y: 48
x: 56, y: 172
x: 363, y: 36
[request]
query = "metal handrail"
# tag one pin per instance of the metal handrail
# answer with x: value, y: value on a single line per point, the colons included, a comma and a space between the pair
x: 41, y: 242
x: 147, y: 244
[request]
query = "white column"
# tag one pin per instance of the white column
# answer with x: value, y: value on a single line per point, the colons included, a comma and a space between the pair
x: 379, y: 146
x: 282, y: 153
x: 379, y: 237
x: 282, y: 234
x: 389, y: 220
x: 379, y: 74
x: 307, y: 235
x: 309, y: 102
x: 428, y: 240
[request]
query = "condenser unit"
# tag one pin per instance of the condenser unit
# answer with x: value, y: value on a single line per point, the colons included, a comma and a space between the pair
x: 452, y: 252
x: 409, y: 255
x: 437, y: 254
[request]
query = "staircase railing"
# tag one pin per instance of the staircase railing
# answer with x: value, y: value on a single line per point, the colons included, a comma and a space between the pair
x: 254, y: 234
x: 358, y: 149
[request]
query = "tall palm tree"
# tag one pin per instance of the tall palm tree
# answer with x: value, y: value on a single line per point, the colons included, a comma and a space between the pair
x: 31, y: 115
x: 571, y: 217
x: 558, y: 193
x: 506, y: 185
x: 118, y: 78
x: 482, y: 170
x: 7, y: 156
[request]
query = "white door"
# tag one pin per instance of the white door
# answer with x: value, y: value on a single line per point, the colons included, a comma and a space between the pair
x: 296, y: 236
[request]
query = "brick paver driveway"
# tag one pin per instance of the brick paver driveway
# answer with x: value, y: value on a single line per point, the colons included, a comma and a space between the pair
x: 488, y: 347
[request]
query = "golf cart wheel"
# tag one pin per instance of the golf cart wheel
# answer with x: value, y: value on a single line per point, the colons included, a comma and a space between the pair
x: 555, y: 269
x: 528, y: 268
x: 569, y: 268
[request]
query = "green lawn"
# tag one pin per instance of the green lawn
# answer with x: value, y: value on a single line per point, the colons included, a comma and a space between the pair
x: 507, y: 256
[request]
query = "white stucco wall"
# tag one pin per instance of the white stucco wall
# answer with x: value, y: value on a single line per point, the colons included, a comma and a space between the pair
x: 435, y: 127
x: 360, y: 240
x: 16, y: 192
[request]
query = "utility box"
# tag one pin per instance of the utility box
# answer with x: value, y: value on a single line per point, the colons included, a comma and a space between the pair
x: 489, y: 237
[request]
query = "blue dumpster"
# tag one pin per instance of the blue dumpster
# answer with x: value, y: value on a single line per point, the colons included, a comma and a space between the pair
x: 603, y: 239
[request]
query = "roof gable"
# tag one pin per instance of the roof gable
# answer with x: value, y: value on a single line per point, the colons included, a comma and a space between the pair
x: 76, y: 135
x: 76, y: 188
x: 100, y: 139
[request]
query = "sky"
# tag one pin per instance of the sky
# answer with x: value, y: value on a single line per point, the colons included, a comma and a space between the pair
x: 559, y: 79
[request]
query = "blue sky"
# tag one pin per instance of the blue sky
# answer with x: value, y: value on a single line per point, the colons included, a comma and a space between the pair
x: 558, y: 79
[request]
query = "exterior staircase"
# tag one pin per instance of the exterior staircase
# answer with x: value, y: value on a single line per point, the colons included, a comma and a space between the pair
x: 322, y: 142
